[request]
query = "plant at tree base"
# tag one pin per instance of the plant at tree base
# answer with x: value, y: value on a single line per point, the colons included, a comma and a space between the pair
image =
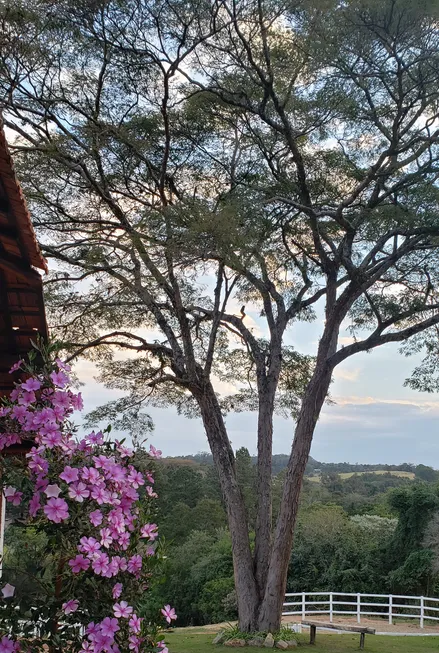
x: 93, y: 503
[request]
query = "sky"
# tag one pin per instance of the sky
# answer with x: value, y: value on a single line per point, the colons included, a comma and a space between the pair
x: 374, y: 418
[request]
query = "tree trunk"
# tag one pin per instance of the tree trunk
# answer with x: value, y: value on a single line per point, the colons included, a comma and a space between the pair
x: 264, y: 495
x: 270, y: 611
x: 224, y: 460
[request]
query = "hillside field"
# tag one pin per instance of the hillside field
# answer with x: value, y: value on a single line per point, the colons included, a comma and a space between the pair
x: 344, y: 475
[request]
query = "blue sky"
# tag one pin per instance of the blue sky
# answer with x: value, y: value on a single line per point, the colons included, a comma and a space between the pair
x: 374, y: 418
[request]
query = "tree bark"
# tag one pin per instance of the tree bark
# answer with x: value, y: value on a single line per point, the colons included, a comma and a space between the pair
x: 262, y: 552
x: 224, y: 460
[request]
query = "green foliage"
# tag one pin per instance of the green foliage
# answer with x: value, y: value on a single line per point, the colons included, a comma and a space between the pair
x: 414, y: 506
x: 213, y: 600
x: 412, y: 565
x: 27, y: 562
x: 246, y: 475
x: 332, y: 551
x: 200, y: 578
x: 233, y: 632
x: 425, y: 473
x: 189, y: 500
x: 414, y: 576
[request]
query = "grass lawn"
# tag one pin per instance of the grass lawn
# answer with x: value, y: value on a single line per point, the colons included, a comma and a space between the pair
x: 190, y: 641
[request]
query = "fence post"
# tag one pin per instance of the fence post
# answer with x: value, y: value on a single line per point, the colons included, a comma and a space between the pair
x: 422, y: 613
x: 390, y: 609
x: 330, y: 607
x: 303, y: 606
x: 359, y: 608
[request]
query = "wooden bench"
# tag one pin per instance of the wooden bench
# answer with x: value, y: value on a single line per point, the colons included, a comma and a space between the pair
x: 313, y: 625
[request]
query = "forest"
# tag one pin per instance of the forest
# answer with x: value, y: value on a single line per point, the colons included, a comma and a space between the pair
x: 368, y: 532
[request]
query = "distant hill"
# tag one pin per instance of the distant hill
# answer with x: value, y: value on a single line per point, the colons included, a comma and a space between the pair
x: 315, y: 468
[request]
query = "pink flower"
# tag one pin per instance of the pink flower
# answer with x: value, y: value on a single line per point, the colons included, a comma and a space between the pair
x: 31, y: 384
x: 8, y: 591
x: 124, y: 540
x: 61, y: 400
x: 89, y: 545
x: 106, y: 538
x: 150, y: 492
x: 164, y: 648
x: 70, y: 474
x: 122, y: 610
x: 52, y: 438
x: 7, y: 645
x: 62, y: 365
x: 59, y: 379
x: 168, y: 613
x: 26, y: 398
x: 95, y: 438
x: 52, y: 491
x: 149, y: 530
x: 56, y: 510
x: 13, y: 495
x: 79, y: 563
x: 134, y: 643
x: 78, y: 492
x: 19, y: 412
x: 135, y: 623
x: 92, y: 629
x: 34, y: 504
x: 125, y: 452
x: 135, y: 564
x: 70, y: 606
x: 109, y: 627
x: 117, y: 590
x: 135, y: 478
x: 100, y: 495
x: 100, y: 564
x: 90, y: 474
x: 154, y: 453
x: 122, y: 564
x: 16, y: 366
x: 96, y: 517
x: 76, y: 401
x: 101, y: 461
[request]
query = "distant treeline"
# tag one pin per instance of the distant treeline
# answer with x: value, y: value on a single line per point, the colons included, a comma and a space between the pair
x: 313, y: 467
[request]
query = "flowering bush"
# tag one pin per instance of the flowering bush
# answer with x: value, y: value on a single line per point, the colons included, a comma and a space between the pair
x: 92, y: 498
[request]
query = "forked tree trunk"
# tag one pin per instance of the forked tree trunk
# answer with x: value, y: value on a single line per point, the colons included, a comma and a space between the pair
x: 264, y: 494
x: 260, y: 582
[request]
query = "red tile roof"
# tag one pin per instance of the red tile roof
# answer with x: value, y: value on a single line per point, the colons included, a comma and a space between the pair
x: 18, y: 208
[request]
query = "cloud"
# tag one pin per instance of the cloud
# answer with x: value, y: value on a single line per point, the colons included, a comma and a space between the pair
x: 346, y: 340
x: 421, y: 404
x: 377, y: 430
x: 346, y: 374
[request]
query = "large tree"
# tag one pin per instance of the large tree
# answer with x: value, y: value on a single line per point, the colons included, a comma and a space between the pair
x: 182, y: 159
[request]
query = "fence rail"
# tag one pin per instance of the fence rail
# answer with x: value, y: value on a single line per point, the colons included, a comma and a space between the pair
x: 392, y: 606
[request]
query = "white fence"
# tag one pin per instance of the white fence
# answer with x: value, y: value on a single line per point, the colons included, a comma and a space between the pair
x: 389, y: 606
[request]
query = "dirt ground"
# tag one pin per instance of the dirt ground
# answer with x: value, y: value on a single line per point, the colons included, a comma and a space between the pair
x: 380, y: 625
